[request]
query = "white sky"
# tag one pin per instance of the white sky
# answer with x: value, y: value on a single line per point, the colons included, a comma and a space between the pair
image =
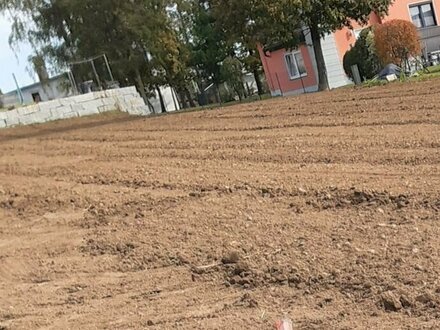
x: 12, y: 61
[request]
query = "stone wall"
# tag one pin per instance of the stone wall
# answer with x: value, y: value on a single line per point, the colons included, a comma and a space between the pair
x: 123, y: 99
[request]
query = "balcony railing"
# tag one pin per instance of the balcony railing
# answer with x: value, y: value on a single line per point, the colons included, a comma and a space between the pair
x: 430, y: 38
x: 430, y: 32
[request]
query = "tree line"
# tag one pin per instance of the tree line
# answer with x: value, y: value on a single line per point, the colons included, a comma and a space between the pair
x: 186, y: 44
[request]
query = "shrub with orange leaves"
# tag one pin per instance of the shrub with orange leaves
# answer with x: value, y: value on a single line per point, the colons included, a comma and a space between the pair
x: 396, y: 41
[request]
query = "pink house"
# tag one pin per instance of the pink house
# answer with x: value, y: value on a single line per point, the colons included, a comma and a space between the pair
x: 294, y: 72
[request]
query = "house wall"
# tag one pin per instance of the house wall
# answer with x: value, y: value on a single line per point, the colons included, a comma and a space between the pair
x: 277, y: 75
x: 124, y: 99
x: 333, y: 62
x: 345, y: 38
x: 54, y: 89
x: 9, y: 99
x: 400, y: 9
x: 430, y: 37
x: 335, y: 46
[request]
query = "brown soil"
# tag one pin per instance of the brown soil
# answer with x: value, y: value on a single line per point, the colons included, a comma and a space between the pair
x: 324, y: 208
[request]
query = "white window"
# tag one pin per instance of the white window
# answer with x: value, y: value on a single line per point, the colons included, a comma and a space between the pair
x: 295, y: 65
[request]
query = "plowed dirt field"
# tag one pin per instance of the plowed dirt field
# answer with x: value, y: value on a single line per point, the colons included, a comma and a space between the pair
x: 324, y: 208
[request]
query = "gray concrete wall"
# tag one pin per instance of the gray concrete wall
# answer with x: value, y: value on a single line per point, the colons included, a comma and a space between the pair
x: 123, y: 99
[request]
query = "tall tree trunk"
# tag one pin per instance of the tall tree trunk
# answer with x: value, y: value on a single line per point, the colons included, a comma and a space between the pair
x: 237, y: 91
x: 256, y: 71
x: 162, y: 103
x: 141, y: 86
x: 320, y: 62
x: 258, y: 81
x: 189, y: 97
x: 218, y: 99
x: 182, y: 98
x: 246, y: 90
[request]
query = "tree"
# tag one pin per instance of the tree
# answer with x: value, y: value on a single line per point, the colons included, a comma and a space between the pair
x: 326, y: 16
x: 264, y: 23
x: 397, y: 41
x: 280, y: 21
x: 181, y: 24
x: 236, y: 21
x: 232, y: 73
x: 127, y: 31
x: 363, y: 54
x: 209, y: 45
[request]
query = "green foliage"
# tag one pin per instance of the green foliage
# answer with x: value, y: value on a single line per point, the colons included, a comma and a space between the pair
x: 232, y: 74
x: 279, y: 22
x: 227, y: 95
x: 363, y: 54
x: 433, y: 69
x: 375, y: 82
x: 426, y: 73
x: 174, y: 42
x: 209, y: 44
x: 136, y: 35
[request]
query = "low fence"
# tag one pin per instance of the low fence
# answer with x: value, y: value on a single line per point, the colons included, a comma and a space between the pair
x: 123, y: 99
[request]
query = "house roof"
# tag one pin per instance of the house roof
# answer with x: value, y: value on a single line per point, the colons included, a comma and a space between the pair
x: 299, y: 38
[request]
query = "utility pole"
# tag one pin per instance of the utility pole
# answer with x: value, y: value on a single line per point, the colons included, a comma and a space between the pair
x: 108, y: 68
x: 72, y: 81
x: 20, y: 94
x: 300, y: 75
x: 96, y: 74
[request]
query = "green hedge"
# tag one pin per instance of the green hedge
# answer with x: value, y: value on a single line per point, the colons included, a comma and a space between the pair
x: 364, y: 55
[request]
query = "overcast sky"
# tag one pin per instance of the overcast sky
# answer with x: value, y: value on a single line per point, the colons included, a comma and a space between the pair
x: 12, y: 62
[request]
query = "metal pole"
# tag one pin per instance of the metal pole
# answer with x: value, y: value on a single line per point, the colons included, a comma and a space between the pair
x: 279, y: 85
x: 20, y: 94
x: 108, y: 68
x: 96, y: 75
x: 300, y: 75
x: 72, y: 82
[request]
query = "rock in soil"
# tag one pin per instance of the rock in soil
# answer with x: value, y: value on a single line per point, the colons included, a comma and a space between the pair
x: 390, y: 302
x: 231, y: 257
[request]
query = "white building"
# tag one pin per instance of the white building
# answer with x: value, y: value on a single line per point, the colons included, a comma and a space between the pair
x: 55, y: 88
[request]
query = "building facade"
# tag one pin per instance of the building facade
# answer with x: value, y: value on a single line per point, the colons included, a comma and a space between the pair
x: 295, y: 72
x: 54, y: 88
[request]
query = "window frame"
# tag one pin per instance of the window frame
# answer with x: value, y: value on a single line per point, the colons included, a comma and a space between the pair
x: 419, y: 5
x: 295, y: 62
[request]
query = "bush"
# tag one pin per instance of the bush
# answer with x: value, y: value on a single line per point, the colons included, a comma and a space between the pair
x: 364, y: 55
x: 232, y: 74
x: 396, y: 41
